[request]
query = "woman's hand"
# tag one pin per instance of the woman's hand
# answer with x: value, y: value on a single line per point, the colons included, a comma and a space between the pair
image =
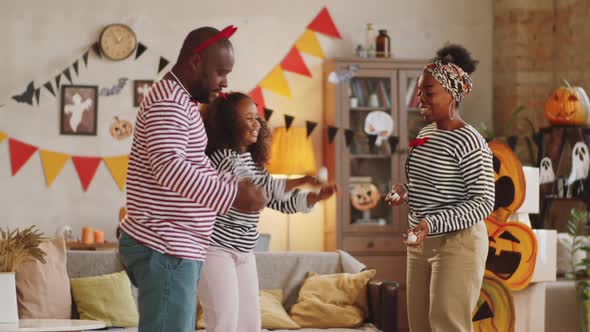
x: 415, y: 237
x: 397, y: 195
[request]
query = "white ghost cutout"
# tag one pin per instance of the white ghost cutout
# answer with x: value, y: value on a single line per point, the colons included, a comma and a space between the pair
x: 379, y: 123
x: 546, y: 174
x: 580, y: 163
x: 76, y: 110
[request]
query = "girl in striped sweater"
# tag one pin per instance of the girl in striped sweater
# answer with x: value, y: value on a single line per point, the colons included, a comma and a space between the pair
x: 239, y: 144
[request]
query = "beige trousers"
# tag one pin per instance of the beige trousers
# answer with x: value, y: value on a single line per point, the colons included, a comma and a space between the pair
x: 444, y: 279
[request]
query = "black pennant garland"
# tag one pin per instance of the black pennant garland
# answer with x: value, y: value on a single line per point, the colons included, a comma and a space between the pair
x: 310, y: 126
x: 57, y: 81
x: 163, y: 63
x: 372, y: 140
x: 96, y: 49
x: 288, y: 121
x: 348, y: 136
x: 67, y: 74
x: 267, y: 113
x: 37, y: 95
x: 49, y: 87
x: 393, y: 142
x: 27, y: 96
x: 140, y: 49
x: 332, y: 133
x: 85, y: 58
x: 75, y: 65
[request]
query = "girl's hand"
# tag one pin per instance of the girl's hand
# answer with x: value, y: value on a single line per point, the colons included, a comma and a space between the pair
x: 325, y: 192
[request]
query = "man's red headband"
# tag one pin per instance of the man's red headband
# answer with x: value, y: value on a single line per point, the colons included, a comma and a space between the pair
x: 225, y: 33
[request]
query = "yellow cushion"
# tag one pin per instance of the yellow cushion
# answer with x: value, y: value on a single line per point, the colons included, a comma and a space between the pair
x: 333, y: 300
x: 272, y: 313
x: 107, y: 298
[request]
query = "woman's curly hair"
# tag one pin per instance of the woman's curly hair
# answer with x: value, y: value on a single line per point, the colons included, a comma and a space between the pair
x: 224, y: 132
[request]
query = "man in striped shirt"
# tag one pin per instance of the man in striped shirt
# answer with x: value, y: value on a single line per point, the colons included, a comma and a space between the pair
x: 173, y: 192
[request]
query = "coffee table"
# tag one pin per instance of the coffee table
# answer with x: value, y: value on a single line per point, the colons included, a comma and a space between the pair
x: 52, y: 325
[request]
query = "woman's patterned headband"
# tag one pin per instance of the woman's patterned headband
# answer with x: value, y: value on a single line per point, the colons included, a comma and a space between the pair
x: 454, y: 79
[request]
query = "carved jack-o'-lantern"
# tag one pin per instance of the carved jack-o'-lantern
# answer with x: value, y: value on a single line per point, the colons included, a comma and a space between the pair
x: 121, y: 129
x: 567, y: 106
x: 364, y: 196
x: 509, y: 180
x: 512, y: 253
x: 494, y: 311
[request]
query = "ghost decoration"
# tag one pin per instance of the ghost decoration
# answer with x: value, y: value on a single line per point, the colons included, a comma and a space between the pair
x: 580, y: 163
x: 379, y: 123
x: 546, y: 174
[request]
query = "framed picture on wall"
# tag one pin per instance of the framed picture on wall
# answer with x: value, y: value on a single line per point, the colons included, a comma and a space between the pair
x: 141, y: 88
x: 79, y: 109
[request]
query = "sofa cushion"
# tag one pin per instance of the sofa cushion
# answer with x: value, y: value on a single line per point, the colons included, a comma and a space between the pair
x: 272, y: 313
x: 44, y: 289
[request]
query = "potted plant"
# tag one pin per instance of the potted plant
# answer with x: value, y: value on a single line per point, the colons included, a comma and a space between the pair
x: 16, y: 247
x: 576, y: 228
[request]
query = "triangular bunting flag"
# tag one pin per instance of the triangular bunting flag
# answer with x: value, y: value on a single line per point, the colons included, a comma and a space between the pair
x: 372, y: 140
x: 75, y: 65
x: 57, y: 81
x: 96, y: 49
x: 293, y: 62
x: 308, y: 43
x: 118, y: 168
x: 310, y: 126
x: 288, y: 121
x: 53, y: 163
x: 49, y: 87
x: 67, y: 74
x: 37, y: 95
x: 258, y: 99
x: 85, y: 58
x: 163, y: 63
x: 267, y: 113
x: 27, y: 96
x: 348, y: 136
x: 323, y: 24
x: 140, y: 49
x: 86, y: 168
x: 332, y: 133
x: 393, y: 142
x: 3, y: 136
x: 20, y: 153
x: 276, y: 82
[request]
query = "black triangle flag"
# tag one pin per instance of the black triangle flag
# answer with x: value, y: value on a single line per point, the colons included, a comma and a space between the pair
x: 49, y: 87
x: 332, y: 133
x: 512, y: 141
x: 310, y: 125
x: 393, y: 142
x: 67, y: 74
x: 163, y: 63
x: 85, y: 58
x: 140, y: 49
x: 57, y: 81
x: 372, y: 140
x: 267, y: 113
x: 27, y: 96
x: 37, y: 95
x: 348, y: 136
x: 96, y: 49
x: 75, y: 65
x: 288, y: 121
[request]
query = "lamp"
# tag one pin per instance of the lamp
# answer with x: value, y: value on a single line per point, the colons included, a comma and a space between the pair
x: 291, y: 153
x: 531, y: 198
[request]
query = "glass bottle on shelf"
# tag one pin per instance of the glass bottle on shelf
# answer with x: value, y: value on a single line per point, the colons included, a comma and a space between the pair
x: 383, y: 45
x: 370, y: 40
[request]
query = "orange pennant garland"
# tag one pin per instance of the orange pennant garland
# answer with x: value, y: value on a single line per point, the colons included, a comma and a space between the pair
x: 20, y: 153
x: 293, y: 62
x: 258, y: 98
x: 86, y: 168
x: 323, y: 24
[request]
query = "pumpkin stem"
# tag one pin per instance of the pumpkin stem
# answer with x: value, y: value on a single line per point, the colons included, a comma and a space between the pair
x: 116, y: 118
x: 568, y: 84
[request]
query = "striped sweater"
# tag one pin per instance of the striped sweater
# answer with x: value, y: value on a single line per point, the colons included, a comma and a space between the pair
x: 450, y: 179
x: 238, y: 230
x: 173, y: 192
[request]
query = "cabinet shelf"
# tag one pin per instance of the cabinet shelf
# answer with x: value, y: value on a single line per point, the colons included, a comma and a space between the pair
x: 369, y: 109
x: 370, y: 156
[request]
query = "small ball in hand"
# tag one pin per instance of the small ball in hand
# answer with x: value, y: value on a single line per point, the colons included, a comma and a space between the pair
x: 322, y: 174
x: 412, y: 237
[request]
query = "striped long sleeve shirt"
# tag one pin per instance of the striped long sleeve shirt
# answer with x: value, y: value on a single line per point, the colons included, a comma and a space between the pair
x: 173, y: 192
x: 451, y: 179
x: 237, y: 230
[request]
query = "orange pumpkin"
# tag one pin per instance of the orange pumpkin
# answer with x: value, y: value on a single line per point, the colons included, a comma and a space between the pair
x: 567, y: 106
x: 364, y: 196
x: 121, y: 129
x: 512, y: 253
x: 509, y: 181
x: 494, y: 311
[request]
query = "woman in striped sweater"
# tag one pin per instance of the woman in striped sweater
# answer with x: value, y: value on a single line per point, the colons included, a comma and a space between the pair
x: 239, y: 144
x: 450, y: 192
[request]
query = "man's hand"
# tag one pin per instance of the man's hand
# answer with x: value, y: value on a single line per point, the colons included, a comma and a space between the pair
x: 250, y: 198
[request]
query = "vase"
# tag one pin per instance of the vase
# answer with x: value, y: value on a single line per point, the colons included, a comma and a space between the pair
x: 8, y: 307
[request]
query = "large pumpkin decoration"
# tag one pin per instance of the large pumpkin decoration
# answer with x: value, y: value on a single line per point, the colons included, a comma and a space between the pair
x: 568, y: 106
x: 364, y: 196
x: 509, y: 181
x: 512, y: 253
x: 494, y: 311
x: 121, y: 129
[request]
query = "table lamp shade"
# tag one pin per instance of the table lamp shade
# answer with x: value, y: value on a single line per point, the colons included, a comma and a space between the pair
x: 291, y: 152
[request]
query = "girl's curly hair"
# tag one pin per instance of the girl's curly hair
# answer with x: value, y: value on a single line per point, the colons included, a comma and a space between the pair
x: 224, y: 132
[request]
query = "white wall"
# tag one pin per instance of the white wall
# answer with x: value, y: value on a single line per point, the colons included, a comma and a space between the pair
x: 40, y: 38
